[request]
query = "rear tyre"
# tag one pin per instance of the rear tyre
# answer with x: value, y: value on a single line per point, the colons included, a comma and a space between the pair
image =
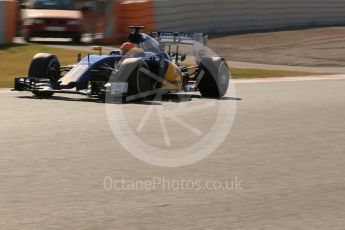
x: 45, y: 66
x: 215, y: 80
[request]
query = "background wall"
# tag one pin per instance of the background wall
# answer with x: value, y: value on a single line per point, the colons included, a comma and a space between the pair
x: 219, y: 16
x: 209, y: 16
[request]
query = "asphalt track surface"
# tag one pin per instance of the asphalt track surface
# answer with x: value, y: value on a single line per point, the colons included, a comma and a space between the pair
x: 286, y: 148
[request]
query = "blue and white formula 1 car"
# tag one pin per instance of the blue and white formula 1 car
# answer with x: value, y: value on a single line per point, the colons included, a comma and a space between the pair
x: 147, y: 69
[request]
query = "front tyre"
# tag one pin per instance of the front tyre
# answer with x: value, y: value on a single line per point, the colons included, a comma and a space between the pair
x: 44, y: 66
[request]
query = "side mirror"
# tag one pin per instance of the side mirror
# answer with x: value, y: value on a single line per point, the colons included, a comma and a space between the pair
x: 97, y: 48
x: 78, y: 57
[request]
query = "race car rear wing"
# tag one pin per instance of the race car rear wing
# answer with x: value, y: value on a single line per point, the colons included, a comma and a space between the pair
x: 197, y: 40
x: 180, y: 38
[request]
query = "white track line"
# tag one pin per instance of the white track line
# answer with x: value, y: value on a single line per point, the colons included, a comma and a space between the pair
x: 290, y: 79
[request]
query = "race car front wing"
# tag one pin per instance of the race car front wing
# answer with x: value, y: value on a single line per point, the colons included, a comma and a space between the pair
x: 32, y: 84
x: 46, y: 85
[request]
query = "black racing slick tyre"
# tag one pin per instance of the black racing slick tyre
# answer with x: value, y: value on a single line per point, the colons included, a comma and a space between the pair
x: 138, y: 82
x: 45, y: 66
x: 215, y: 77
x: 136, y: 72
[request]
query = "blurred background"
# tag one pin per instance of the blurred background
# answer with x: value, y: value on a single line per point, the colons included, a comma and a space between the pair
x: 107, y: 20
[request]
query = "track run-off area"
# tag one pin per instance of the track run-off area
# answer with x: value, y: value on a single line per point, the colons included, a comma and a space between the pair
x: 285, y: 149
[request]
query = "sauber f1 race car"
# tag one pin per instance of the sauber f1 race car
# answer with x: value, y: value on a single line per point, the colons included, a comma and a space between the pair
x: 144, y: 66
